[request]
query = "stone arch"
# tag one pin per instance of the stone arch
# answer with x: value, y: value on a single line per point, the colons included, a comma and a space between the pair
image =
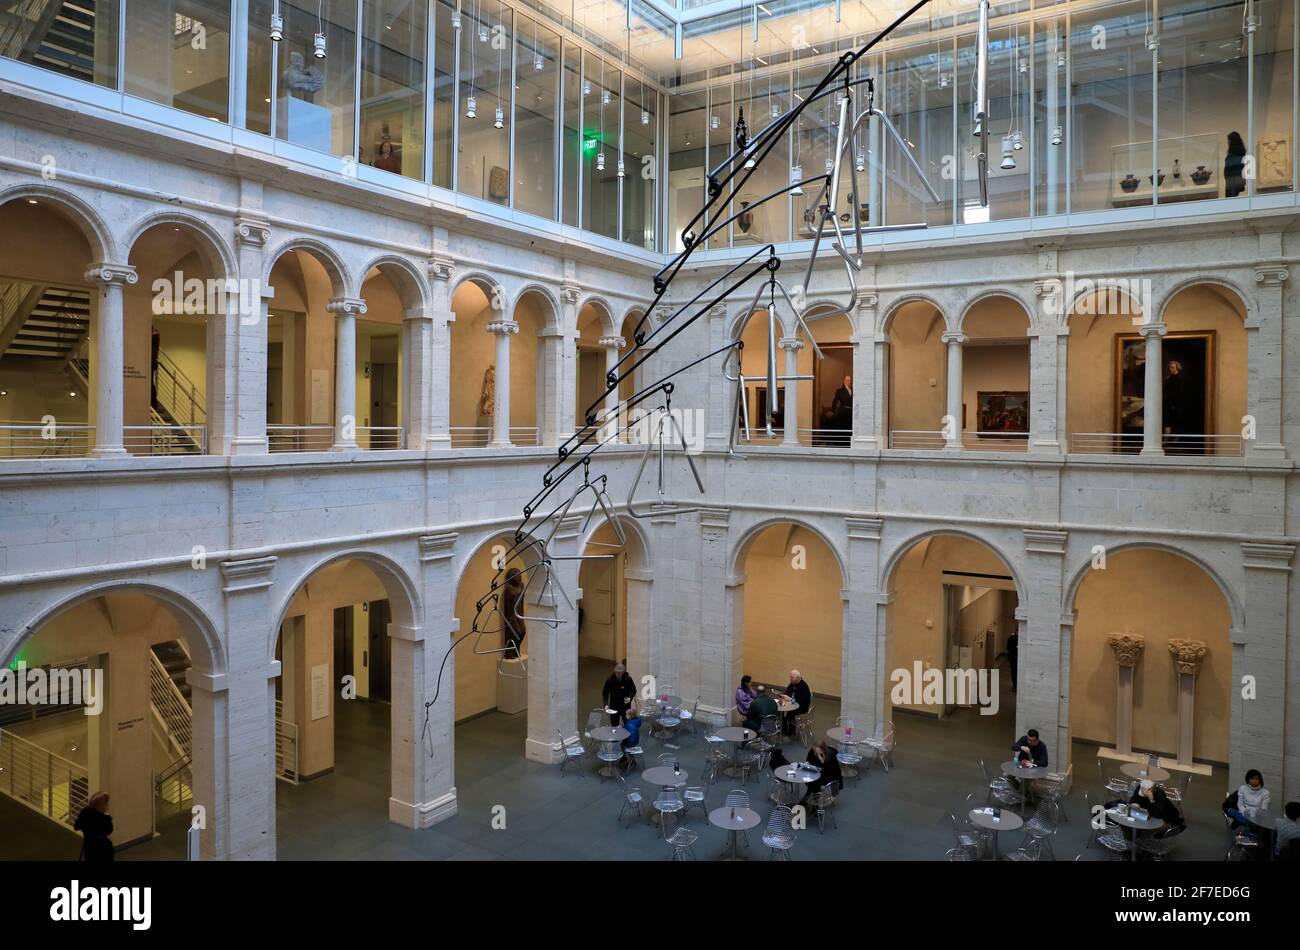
x: 737, y: 557
x: 412, y: 285
x: 887, y: 569
x: 207, y: 651
x: 888, y: 313
x: 403, y: 595
x: 554, y: 312
x: 491, y: 287
x: 1243, y: 302
x: 341, y: 281
x: 76, y: 211
x: 995, y: 292
x: 1100, y: 287
x: 217, y: 254
x: 606, y: 310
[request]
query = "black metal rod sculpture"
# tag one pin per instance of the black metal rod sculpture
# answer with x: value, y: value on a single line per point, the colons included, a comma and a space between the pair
x: 601, y: 427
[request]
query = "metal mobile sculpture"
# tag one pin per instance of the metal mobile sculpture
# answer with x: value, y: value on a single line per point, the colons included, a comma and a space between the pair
x: 600, y: 427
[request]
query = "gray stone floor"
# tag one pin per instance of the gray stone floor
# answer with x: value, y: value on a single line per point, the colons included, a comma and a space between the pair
x: 899, y: 815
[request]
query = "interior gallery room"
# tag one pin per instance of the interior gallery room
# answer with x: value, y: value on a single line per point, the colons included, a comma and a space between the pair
x: 649, y: 430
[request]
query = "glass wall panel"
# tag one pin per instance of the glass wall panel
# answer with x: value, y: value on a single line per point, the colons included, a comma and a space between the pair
x: 1008, y: 93
x: 483, y: 166
x: 687, y: 124
x: 760, y: 98
x: 572, y: 146
x: 1203, y: 100
x: 78, y: 40
x: 640, y: 161
x: 601, y: 90
x: 919, y: 93
x: 1050, y: 85
x: 316, y: 98
x: 1109, y: 137
x: 178, y: 54
x: 261, y: 60
x: 393, y: 50
x: 537, y: 96
x: 720, y: 134
x: 1274, y: 95
x: 445, y: 40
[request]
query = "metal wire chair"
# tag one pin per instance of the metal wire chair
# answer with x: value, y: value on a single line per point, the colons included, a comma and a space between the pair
x: 779, y: 836
x: 632, y: 801
x: 1040, y: 828
x: 824, y: 800
x: 881, y: 744
x: 574, y: 752
x: 682, y: 841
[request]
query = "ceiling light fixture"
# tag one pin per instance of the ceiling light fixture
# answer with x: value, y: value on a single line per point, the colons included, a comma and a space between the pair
x: 277, y: 24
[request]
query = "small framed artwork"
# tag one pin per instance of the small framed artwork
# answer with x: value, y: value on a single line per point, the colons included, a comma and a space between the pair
x: 1274, y: 164
x: 1002, y: 413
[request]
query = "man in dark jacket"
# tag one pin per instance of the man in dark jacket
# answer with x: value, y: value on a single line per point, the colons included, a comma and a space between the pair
x: 799, y: 692
x: 760, y: 708
x: 1029, y: 746
x: 618, y: 693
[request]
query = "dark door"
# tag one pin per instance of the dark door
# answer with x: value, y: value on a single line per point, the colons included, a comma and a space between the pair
x: 380, y: 617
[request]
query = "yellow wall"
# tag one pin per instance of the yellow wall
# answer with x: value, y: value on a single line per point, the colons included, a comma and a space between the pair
x: 918, y: 369
x: 476, y: 675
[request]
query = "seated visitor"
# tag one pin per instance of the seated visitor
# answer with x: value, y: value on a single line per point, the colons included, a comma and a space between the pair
x: 777, y: 759
x: 632, y: 723
x: 760, y: 707
x: 744, y: 696
x: 1252, y: 798
x: 799, y: 692
x: 826, y: 759
x: 1152, y: 799
x: 1286, y: 842
x: 1030, y: 748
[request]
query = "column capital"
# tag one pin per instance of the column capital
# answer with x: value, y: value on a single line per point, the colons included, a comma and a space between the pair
x: 1148, y: 330
x: 663, y: 311
x: 790, y: 343
x: 569, y: 293
x: 864, y: 529
x: 349, y: 306
x: 718, y: 312
x: 441, y: 268
x: 1271, y: 273
x: 613, y: 342
x: 954, y: 336
x: 865, y: 299
x: 247, y: 574
x: 503, y: 327
x: 1127, y: 646
x: 1187, y: 654
x: 437, y: 547
x: 106, y: 273
x: 1045, y: 542
x: 1267, y: 555
x: 715, y: 519
x: 252, y: 231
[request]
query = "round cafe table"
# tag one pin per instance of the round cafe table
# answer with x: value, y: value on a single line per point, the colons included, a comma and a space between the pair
x: 1139, y: 771
x: 837, y: 735
x: 1134, y: 824
x: 797, y: 776
x: 786, y: 705
x: 609, y: 734
x: 736, y: 735
x: 1026, y: 775
x: 1006, y: 821
x: 664, y: 775
x: 733, y: 821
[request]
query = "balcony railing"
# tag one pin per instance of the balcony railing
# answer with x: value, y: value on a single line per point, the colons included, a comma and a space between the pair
x: 477, y: 437
x: 29, y: 440
x: 915, y: 439
x: 56, y: 787
x: 165, y: 440
x: 1130, y: 443
x: 813, y: 438
x: 320, y: 438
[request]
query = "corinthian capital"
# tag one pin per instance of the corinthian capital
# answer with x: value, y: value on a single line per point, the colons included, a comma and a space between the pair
x: 1128, y: 647
x: 1187, y: 654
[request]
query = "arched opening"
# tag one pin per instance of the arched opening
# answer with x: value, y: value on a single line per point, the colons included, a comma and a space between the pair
x: 173, y: 315
x: 613, y: 614
x: 1130, y: 616
x: 792, y: 615
x: 381, y: 358
x: 301, y: 356
x: 995, y: 375
x: 534, y: 382
x: 825, y: 402
x: 105, y: 706
x: 47, y: 316
x: 594, y: 322
x: 952, y: 609
x: 754, y: 336
x: 1204, y: 372
x: 917, y: 373
x: 333, y: 714
x: 476, y: 303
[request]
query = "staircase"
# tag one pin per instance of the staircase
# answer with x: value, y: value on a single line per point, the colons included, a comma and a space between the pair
x: 47, y: 323
x: 169, y: 701
x: 53, y: 34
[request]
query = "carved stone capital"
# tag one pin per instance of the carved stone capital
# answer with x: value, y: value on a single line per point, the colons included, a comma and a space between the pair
x: 1271, y: 274
x: 954, y: 336
x: 353, y: 306
x: 1128, y: 647
x: 1187, y: 654
x: 790, y: 343
x: 106, y: 274
x: 866, y: 300
x: 503, y: 326
x: 864, y: 529
x: 613, y: 342
x: 570, y: 293
x: 247, y: 574
x: 437, y: 547
x: 715, y: 519
x: 441, y: 268
x: 255, y: 232
x: 1151, y: 329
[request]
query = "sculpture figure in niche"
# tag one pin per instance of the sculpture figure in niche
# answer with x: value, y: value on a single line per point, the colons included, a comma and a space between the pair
x: 515, y: 627
x: 304, y: 81
x: 487, y: 402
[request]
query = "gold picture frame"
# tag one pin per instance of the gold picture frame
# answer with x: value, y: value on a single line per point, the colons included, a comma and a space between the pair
x: 1130, y: 375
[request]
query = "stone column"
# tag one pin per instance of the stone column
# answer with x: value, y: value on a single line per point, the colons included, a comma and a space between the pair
x: 1045, y: 423
x: 440, y: 368
x: 1043, y: 681
x: 869, y: 380
x: 1260, y: 658
x: 346, y: 310
x: 245, y: 741
x: 243, y: 348
x: 1188, y: 655
x: 954, y: 339
x: 1153, y: 390
x: 1128, y: 650
x: 106, y: 374
x: 423, y: 783
x: 561, y: 376
x: 661, y: 658
x: 721, y: 391
x: 501, y: 409
x: 861, y: 677
x: 721, y: 615
x: 1264, y: 379
x: 792, y: 345
x: 612, y: 345
x: 553, y: 650
x: 417, y: 352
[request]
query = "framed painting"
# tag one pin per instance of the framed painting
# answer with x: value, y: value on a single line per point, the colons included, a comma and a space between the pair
x: 1002, y: 413
x: 1187, y: 389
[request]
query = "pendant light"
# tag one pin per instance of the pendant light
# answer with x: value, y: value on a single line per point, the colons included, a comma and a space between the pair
x: 277, y: 24
x: 318, y: 41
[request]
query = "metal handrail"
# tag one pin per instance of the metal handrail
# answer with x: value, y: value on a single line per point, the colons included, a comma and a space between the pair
x: 177, y: 393
x: 166, y: 439
x: 294, y: 438
x: 30, y: 440
x: 47, y: 783
x: 916, y: 439
x: 171, y: 706
x: 381, y: 437
x: 478, y: 437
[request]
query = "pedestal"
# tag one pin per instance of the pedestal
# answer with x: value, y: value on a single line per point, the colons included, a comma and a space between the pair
x: 512, y: 686
x: 1187, y: 655
x: 1128, y: 650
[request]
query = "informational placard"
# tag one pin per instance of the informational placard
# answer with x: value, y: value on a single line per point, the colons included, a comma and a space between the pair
x: 320, y: 691
x: 320, y: 398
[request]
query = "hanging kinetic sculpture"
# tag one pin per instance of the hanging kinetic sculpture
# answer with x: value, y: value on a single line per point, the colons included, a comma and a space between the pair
x: 532, y: 541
